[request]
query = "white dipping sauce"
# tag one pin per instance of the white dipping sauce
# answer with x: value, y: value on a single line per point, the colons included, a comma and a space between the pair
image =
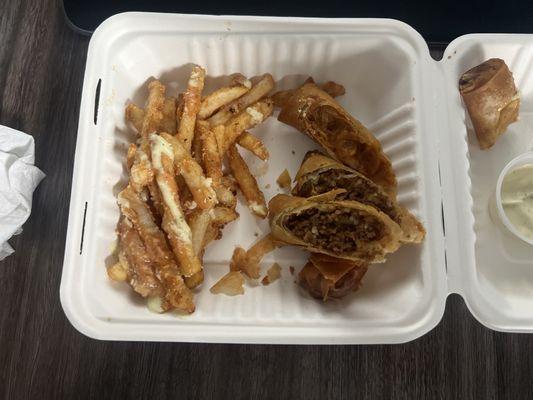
x: 517, y: 199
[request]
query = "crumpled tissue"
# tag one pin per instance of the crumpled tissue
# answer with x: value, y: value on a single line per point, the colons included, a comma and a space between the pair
x: 18, y: 179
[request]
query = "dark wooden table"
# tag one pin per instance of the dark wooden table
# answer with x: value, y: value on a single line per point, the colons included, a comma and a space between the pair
x: 42, y: 356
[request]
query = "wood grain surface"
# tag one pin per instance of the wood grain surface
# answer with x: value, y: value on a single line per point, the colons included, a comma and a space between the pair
x: 43, y: 357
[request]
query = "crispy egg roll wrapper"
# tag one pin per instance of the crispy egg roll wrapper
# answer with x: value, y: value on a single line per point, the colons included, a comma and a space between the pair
x: 315, y: 113
x: 344, y: 229
x: 328, y: 277
x: 491, y: 98
x: 319, y: 174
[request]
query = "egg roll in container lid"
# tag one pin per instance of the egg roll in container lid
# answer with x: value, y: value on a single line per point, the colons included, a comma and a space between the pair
x: 319, y: 174
x: 315, y: 113
x: 491, y: 98
x: 344, y: 229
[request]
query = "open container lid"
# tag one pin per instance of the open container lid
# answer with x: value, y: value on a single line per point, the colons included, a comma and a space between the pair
x: 410, y: 102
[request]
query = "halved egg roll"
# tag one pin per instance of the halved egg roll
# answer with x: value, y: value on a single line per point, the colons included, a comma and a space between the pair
x: 317, y: 114
x: 343, y: 229
x: 491, y: 98
x: 327, y: 277
x: 319, y: 174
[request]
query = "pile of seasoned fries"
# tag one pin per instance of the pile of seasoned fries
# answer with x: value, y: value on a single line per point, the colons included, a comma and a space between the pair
x: 178, y: 197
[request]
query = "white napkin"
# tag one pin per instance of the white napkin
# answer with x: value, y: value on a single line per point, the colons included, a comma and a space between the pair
x: 18, y: 179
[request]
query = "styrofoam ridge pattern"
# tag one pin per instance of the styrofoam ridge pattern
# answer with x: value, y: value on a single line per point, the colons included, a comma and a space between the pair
x: 395, y: 296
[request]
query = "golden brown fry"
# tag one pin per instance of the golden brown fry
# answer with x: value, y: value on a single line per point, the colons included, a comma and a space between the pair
x: 230, y: 182
x: 219, y: 98
x: 252, y: 116
x: 141, y: 174
x: 273, y: 274
x: 152, y: 120
x: 195, y: 280
x: 196, y: 148
x: 199, y: 185
x: 199, y: 221
x: 213, y: 163
x: 284, y: 180
x: 130, y: 156
x: 140, y: 267
x: 220, y: 136
x: 177, y: 295
x: 223, y: 216
x: 174, y: 224
x: 154, y: 109
x: 191, y: 106
x: 135, y: 115
x: 256, y: 93
x: 117, y: 272
x: 253, y: 144
x: 179, y: 109
x: 247, y: 183
x: 168, y: 123
x: 240, y: 79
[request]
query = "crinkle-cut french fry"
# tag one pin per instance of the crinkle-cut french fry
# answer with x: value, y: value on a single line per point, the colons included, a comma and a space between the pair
x: 135, y: 115
x: 177, y: 295
x: 256, y: 93
x: 212, y: 163
x: 199, y: 185
x: 250, y: 117
x: 247, y: 183
x: 253, y: 144
x: 174, y: 224
x: 133, y: 252
x: 220, y: 98
x: 191, y: 106
x: 168, y: 123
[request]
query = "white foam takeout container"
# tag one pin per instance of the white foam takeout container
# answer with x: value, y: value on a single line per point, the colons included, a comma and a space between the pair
x: 394, y: 87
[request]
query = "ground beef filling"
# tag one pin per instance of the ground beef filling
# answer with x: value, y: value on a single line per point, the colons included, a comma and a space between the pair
x: 357, y: 188
x: 336, y: 230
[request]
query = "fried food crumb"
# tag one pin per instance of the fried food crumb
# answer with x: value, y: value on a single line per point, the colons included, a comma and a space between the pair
x: 273, y: 274
x: 231, y: 284
x: 284, y: 180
